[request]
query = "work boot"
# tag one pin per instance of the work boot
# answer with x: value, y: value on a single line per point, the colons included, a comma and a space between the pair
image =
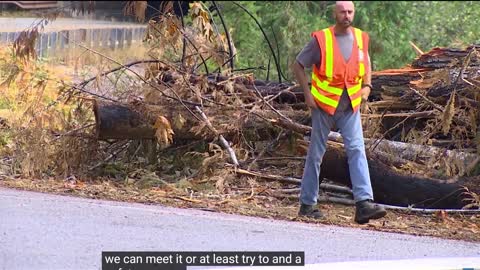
x: 310, y: 211
x: 366, y: 210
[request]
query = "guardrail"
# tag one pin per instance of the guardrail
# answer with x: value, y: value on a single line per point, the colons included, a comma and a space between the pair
x: 32, y: 4
x: 103, y: 35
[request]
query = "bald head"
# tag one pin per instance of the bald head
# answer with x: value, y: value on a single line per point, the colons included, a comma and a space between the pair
x: 344, y: 5
x: 343, y: 14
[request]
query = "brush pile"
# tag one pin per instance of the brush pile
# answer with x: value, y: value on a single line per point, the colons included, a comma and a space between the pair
x: 420, y: 127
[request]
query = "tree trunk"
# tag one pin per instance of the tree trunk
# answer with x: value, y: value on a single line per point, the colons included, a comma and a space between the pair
x: 116, y: 121
x: 394, y: 188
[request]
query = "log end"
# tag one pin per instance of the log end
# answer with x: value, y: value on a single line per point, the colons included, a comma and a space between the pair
x: 116, y: 121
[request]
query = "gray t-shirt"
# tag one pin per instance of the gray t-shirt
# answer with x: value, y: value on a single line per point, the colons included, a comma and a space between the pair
x: 310, y: 55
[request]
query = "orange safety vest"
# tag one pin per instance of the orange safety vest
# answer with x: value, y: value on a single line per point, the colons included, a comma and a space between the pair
x: 334, y: 74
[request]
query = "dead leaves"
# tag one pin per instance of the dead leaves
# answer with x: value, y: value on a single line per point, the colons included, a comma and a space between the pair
x: 164, y: 37
x: 474, y: 201
x: 201, y: 20
x: 211, y: 161
x: 194, y: 41
x: 210, y: 43
x: 137, y: 9
x: 163, y: 131
x: 24, y: 45
x: 442, y: 216
x: 448, y: 114
x: 179, y: 121
x: 200, y: 129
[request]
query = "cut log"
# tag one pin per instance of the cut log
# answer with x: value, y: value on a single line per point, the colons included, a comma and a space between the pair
x: 392, y: 105
x: 420, y: 153
x: 444, y: 57
x: 120, y: 121
x: 406, y: 151
x: 393, y: 82
x: 116, y: 121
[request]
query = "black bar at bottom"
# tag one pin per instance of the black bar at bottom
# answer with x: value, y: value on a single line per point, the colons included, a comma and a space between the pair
x: 122, y: 260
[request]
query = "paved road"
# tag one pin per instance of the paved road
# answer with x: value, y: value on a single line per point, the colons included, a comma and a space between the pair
x: 42, y: 231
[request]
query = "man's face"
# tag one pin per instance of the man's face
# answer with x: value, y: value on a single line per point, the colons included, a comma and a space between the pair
x: 344, y: 12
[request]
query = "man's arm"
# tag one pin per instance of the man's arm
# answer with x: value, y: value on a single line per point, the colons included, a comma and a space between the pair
x: 309, y: 56
x: 367, y: 81
x: 302, y: 79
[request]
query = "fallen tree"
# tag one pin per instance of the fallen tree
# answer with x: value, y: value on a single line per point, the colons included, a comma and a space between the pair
x: 390, y: 186
x: 395, y: 188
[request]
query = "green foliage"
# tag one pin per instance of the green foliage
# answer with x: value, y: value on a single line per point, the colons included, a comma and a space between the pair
x: 391, y: 25
x: 287, y: 24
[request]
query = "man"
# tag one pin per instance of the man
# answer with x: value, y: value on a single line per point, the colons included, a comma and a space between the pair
x: 340, y: 82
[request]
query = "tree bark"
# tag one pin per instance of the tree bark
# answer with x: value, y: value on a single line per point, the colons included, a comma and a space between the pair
x: 116, y: 121
x: 119, y: 121
x: 391, y: 187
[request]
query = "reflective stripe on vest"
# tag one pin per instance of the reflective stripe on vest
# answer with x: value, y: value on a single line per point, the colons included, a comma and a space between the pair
x: 356, y: 102
x: 324, y: 85
x: 358, y: 35
x: 324, y: 99
x: 354, y: 89
x: 328, y: 53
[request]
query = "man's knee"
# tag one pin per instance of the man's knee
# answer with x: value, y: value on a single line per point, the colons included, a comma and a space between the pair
x: 355, y: 146
x: 315, y: 157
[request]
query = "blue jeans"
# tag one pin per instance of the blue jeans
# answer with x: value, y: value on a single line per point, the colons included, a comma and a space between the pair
x: 350, y: 126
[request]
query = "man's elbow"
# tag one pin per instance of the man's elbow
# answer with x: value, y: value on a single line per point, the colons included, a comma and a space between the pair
x: 293, y: 65
x: 296, y: 66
